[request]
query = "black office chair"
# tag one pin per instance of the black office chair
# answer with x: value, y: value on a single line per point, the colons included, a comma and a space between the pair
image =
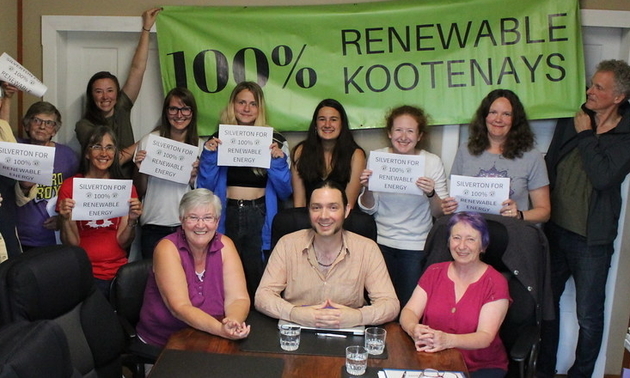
x: 126, y: 296
x: 34, y: 349
x: 56, y: 283
x: 295, y: 219
x: 519, y: 250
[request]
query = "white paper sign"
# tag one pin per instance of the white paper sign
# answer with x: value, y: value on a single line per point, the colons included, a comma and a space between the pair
x: 480, y: 194
x: 15, y: 74
x: 169, y: 159
x: 27, y: 162
x: 395, y: 173
x: 100, y: 198
x: 245, y: 146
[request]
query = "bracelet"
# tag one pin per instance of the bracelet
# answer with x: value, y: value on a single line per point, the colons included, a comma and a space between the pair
x: 148, y: 30
x: 430, y: 195
x: 520, y: 215
x: 132, y: 225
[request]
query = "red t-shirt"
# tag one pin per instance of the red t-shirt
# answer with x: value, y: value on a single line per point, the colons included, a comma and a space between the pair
x: 444, y: 314
x: 98, y: 238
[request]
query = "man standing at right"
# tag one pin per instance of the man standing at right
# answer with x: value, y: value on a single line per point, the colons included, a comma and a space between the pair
x: 588, y: 159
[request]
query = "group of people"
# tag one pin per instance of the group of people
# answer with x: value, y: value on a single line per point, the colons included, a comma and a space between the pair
x: 210, y: 238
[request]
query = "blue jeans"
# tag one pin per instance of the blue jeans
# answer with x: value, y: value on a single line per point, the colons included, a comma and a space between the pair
x: 404, y: 267
x: 151, y: 235
x: 244, y: 222
x: 571, y: 256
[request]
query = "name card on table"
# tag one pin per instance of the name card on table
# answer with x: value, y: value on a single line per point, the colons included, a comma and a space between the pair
x: 480, y: 194
x: 27, y: 162
x: 395, y: 173
x: 100, y: 198
x: 245, y: 146
x: 168, y: 159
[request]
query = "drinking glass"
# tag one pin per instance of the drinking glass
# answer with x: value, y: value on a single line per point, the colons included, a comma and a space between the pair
x: 356, y: 360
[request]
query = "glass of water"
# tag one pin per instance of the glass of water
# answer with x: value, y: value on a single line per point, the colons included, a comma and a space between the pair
x: 375, y: 340
x: 356, y: 360
x: 290, y: 337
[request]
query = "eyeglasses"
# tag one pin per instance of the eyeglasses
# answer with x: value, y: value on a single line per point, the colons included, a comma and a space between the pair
x: 186, y: 110
x: 193, y: 219
x: 98, y: 147
x: 46, y: 122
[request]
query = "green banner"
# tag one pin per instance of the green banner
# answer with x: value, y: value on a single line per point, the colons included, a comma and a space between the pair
x: 442, y: 55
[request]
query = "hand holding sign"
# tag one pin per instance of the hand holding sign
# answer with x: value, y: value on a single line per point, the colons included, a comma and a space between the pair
x: 244, y: 146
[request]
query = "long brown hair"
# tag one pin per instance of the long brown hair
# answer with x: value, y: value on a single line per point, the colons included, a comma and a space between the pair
x: 519, y: 139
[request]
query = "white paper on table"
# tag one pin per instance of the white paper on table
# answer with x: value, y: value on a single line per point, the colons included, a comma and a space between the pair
x: 245, y: 146
x: 168, y: 159
x: 97, y: 199
x: 15, y: 74
x: 27, y: 162
x: 395, y: 173
x: 398, y: 373
x: 480, y: 194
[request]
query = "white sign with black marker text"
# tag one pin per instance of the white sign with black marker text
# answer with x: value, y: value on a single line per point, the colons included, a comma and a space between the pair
x: 395, y: 173
x: 168, y: 159
x: 100, y: 198
x: 27, y: 162
x: 245, y: 146
x: 480, y: 194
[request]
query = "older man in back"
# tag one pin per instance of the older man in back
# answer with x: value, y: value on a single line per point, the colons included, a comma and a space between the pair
x: 317, y: 277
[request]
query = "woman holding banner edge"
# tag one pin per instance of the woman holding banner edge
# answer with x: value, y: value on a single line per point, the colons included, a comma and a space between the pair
x: 403, y: 221
x: 250, y: 196
x: 159, y: 196
x: 501, y: 144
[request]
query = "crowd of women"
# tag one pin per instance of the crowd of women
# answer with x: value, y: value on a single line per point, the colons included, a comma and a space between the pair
x: 210, y: 237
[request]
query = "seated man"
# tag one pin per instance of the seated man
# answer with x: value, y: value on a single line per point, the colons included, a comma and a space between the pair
x: 317, y: 277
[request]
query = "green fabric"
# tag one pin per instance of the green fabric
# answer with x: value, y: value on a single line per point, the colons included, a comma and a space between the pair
x: 444, y: 55
x: 571, y: 196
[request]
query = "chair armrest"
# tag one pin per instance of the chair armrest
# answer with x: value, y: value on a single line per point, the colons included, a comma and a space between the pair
x: 522, y: 347
x: 147, y: 351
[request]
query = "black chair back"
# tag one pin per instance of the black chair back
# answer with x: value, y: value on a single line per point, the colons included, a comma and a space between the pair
x: 56, y: 283
x: 35, y: 349
x: 294, y: 219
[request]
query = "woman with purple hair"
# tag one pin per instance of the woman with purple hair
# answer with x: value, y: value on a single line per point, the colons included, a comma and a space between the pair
x: 462, y: 303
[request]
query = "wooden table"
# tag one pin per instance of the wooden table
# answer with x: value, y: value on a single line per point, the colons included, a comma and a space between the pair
x: 402, y: 354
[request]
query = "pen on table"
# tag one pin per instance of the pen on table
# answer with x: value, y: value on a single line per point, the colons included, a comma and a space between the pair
x: 404, y: 374
x: 331, y: 335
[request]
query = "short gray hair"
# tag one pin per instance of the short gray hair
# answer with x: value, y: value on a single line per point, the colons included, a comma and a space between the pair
x: 197, y: 198
x: 621, y: 72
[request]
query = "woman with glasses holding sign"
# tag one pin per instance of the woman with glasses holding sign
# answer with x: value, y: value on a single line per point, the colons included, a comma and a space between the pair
x: 501, y: 144
x: 36, y: 227
x: 249, y: 195
x: 107, y: 104
x: 402, y: 220
x: 197, y: 278
x: 105, y: 241
x: 160, y: 216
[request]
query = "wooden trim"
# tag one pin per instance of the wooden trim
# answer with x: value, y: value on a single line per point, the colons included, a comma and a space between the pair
x: 20, y: 58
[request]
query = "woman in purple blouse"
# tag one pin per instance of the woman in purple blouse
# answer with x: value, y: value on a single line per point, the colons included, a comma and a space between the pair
x: 197, y: 279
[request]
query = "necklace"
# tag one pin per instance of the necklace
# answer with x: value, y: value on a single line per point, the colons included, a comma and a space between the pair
x: 327, y: 265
